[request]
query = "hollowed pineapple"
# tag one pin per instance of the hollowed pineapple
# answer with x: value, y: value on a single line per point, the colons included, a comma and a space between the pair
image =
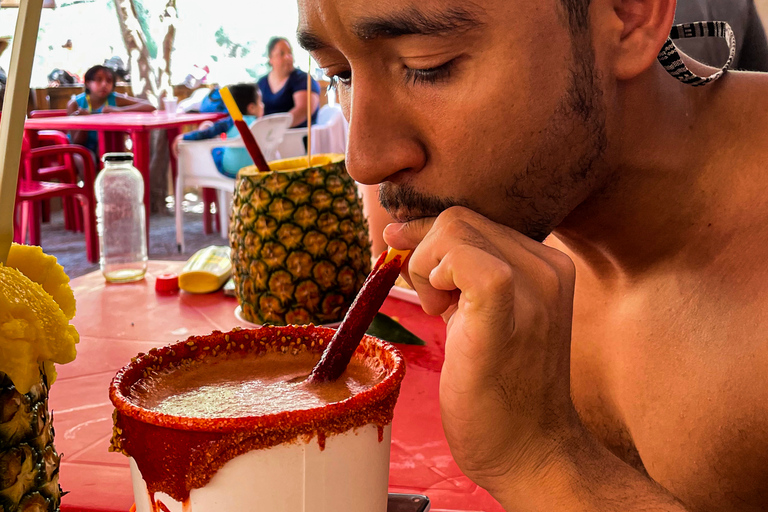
x: 300, y: 245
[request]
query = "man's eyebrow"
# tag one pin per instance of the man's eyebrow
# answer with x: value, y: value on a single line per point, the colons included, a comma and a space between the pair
x: 411, y: 21
x: 414, y: 21
x: 309, y: 41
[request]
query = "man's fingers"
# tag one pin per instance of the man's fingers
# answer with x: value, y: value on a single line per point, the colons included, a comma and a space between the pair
x: 407, y: 235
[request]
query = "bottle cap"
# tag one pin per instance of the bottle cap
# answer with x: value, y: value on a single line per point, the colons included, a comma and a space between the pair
x: 167, y: 282
x: 117, y: 157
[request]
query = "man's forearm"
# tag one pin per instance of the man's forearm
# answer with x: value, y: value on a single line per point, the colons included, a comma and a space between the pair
x: 583, y: 475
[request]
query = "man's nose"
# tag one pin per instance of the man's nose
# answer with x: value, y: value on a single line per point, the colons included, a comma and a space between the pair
x: 382, y: 140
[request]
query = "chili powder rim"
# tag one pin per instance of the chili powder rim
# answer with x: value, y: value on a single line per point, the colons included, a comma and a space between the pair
x: 197, y: 348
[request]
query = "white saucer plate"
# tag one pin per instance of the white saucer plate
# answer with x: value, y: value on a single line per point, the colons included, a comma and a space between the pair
x: 406, y: 294
x: 246, y: 323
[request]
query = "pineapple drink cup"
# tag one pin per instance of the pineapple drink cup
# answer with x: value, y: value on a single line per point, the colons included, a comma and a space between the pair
x: 36, y: 305
x: 192, y: 418
x: 300, y: 245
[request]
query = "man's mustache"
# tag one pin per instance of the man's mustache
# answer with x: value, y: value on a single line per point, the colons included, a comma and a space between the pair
x: 404, y: 203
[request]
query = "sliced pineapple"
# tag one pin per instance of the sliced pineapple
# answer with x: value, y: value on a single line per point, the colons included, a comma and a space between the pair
x: 45, y: 270
x: 36, y: 304
x: 33, y: 329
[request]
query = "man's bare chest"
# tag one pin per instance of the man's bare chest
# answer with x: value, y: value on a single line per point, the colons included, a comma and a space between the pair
x: 652, y: 373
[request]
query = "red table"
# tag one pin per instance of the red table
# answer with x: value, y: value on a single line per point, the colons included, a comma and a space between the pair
x: 118, y: 321
x: 137, y: 124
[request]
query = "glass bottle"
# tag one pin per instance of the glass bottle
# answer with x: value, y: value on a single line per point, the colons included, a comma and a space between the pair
x: 121, y: 219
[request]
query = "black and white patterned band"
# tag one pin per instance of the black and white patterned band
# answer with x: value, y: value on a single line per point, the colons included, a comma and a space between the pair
x: 670, y: 58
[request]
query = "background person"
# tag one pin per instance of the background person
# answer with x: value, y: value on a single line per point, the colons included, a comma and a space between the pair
x: 100, y: 98
x: 284, y: 88
x: 742, y: 16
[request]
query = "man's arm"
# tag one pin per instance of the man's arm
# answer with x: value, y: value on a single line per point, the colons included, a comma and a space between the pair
x: 505, y: 383
x: 583, y: 475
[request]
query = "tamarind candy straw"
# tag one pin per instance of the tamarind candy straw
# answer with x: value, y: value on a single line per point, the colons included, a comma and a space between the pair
x: 342, y: 346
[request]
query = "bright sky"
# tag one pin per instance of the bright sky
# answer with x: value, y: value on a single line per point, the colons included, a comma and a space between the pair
x: 93, y: 28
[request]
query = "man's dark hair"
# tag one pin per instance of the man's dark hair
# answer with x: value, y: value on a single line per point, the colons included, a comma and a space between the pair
x: 577, y: 13
x: 91, y: 74
x: 273, y: 42
x: 244, y: 95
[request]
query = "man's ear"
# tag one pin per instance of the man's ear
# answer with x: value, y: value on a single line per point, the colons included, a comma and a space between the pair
x: 638, y: 29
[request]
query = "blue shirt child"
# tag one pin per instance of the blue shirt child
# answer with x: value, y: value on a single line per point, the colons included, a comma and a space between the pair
x: 82, y: 100
x: 228, y: 160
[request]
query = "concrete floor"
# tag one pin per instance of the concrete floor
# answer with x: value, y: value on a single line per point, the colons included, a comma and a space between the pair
x: 69, y: 247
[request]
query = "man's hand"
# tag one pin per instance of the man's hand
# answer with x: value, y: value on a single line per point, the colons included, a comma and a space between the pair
x: 505, y: 383
x: 507, y: 301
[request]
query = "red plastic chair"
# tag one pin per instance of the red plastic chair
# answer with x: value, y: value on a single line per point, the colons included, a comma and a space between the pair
x: 32, y: 189
x: 61, y: 169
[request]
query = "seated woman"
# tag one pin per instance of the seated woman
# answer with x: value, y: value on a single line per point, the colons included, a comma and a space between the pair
x: 100, y: 98
x: 284, y: 88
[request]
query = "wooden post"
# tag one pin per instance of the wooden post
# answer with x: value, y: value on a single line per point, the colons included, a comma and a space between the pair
x: 14, y: 114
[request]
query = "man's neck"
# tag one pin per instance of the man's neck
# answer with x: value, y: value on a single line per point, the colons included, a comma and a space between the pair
x: 664, y: 175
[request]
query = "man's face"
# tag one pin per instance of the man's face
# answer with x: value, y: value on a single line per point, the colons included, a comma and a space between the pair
x: 491, y: 105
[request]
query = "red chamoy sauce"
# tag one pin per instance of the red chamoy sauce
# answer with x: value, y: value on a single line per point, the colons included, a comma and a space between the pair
x: 185, y: 410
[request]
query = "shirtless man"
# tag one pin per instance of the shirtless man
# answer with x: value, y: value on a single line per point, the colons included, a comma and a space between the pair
x: 624, y: 364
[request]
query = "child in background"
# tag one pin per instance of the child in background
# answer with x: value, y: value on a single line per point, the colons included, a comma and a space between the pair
x: 229, y: 160
x: 213, y: 102
x: 100, y: 98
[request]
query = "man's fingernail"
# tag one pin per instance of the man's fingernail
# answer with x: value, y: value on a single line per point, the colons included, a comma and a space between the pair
x: 393, y: 229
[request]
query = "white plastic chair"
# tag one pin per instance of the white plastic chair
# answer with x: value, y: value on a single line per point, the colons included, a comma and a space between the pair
x: 196, y: 166
x: 329, y: 135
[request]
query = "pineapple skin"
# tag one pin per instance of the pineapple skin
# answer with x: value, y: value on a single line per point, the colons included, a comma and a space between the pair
x: 300, y: 244
x: 29, y: 463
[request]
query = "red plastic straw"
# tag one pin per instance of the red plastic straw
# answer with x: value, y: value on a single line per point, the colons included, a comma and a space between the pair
x: 250, y: 143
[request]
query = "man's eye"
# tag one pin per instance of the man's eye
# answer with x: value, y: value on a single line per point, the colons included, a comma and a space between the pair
x: 343, y: 78
x: 429, y: 76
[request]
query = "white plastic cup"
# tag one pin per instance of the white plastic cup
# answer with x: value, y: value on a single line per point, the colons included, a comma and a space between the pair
x: 350, y: 475
x: 171, y: 105
x: 347, y: 471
